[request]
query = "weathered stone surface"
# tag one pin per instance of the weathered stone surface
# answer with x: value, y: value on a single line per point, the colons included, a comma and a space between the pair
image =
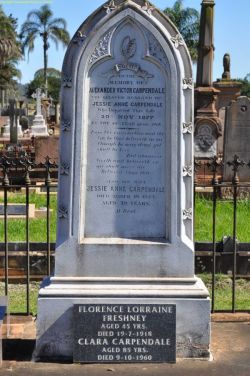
x: 125, y: 217
x: 56, y: 335
x: 206, y: 45
x: 207, y: 122
x: 237, y: 137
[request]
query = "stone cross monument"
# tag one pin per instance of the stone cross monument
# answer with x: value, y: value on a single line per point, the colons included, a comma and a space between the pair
x: 39, y: 127
x: 13, y: 129
x: 125, y: 250
x: 207, y: 122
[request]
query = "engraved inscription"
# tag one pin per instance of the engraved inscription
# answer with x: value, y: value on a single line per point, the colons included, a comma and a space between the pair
x: 126, y: 172
x: 125, y: 333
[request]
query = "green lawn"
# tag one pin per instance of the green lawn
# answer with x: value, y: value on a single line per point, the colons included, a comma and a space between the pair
x: 37, y: 227
x: 17, y: 297
x: 203, y: 232
x: 224, y: 220
x: 223, y: 292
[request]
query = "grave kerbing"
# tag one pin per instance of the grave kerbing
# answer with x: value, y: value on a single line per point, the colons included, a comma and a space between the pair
x: 125, y: 217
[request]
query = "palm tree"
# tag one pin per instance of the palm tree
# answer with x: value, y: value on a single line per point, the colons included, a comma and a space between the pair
x: 40, y: 23
x: 10, y: 53
x: 187, y: 21
x: 9, y: 45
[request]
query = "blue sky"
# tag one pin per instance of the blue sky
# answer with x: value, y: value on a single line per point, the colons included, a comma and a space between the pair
x: 232, y: 31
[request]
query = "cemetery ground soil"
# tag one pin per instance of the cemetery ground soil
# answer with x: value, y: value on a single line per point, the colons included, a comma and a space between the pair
x: 230, y: 350
x: 203, y: 220
x: 223, y: 295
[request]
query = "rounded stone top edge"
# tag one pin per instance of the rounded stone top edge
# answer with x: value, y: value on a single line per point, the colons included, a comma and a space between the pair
x: 238, y: 99
x: 97, y: 17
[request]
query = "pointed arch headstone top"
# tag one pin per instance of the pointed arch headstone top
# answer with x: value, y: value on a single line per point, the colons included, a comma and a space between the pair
x: 125, y: 200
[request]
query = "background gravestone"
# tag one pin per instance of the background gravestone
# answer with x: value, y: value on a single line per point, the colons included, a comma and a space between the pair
x: 207, y: 122
x: 125, y: 220
x: 237, y: 137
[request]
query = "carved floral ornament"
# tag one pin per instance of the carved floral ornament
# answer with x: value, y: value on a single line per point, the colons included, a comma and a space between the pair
x: 63, y: 212
x: 79, y: 38
x: 64, y: 168
x: 178, y: 41
x: 110, y: 6
x: 204, y: 138
x: 187, y: 83
x: 187, y: 171
x: 66, y: 125
x: 101, y: 48
x: 187, y: 128
x: 187, y: 214
x: 147, y: 7
x: 67, y: 82
x: 128, y: 50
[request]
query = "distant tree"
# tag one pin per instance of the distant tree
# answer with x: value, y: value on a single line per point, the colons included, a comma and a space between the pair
x: 187, y: 21
x: 54, y: 83
x: 40, y: 23
x: 245, y: 90
x: 10, y: 53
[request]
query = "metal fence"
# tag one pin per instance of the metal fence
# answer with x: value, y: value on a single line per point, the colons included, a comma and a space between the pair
x: 23, y: 168
x: 20, y: 172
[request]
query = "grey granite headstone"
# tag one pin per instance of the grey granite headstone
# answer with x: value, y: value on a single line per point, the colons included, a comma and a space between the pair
x: 125, y: 211
x: 237, y: 137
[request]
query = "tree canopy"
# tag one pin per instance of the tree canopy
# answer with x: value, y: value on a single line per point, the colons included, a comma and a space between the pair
x: 245, y: 90
x: 10, y: 51
x: 54, y: 83
x: 41, y: 24
x: 187, y: 20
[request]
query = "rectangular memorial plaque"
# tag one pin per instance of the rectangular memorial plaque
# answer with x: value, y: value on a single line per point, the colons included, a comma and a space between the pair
x: 124, y: 333
x: 127, y: 143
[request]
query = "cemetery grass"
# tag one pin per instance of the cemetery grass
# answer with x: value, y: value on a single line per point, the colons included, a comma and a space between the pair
x: 203, y: 220
x: 37, y: 226
x: 223, y: 294
x: 223, y: 297
x: 224, y: 220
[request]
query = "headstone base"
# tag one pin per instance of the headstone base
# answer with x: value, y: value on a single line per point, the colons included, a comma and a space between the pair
x: 6, y: 132
x: 55, y: 332
x: 39, y: 127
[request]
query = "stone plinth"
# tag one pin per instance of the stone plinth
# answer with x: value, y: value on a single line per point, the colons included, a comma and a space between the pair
x: 207, y: 123
x: 39, y: 127
x: 55, y: 332
x: 6, y: 130
x: 229, y: 90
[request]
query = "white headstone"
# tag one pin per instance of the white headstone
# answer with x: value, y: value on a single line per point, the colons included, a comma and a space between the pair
x: 125, y: 211
x: 39, y: 127
x: 6, y: 130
